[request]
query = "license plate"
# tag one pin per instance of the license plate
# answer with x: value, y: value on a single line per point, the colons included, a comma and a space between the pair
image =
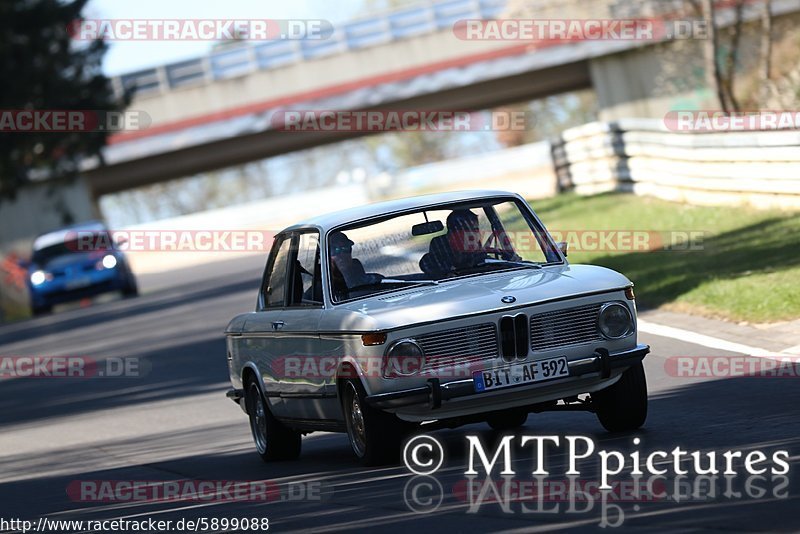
x: 78, y: 283
x: 520, y: 373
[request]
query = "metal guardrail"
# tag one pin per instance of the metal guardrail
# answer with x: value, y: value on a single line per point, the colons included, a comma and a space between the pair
x: 355, y: 35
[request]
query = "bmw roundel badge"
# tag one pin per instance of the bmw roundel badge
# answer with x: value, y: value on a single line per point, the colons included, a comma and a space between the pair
x: 508, y: 299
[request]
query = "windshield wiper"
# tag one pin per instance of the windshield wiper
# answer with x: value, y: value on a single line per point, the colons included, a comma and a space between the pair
x: 496, y: 266
x: 521, y: 263
x: 413, y: 282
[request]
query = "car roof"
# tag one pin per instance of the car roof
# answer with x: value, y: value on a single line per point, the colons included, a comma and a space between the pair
x: 60, y: 236
x: 331, y: 220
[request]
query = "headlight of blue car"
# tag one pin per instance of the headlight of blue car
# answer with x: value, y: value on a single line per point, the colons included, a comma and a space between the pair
x: 38, y: 278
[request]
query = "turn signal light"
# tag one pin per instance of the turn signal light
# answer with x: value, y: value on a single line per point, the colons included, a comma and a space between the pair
x: 629, y: 293
x: 371, y: 340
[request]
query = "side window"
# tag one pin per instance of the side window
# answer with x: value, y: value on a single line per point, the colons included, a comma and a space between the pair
x: 273, y: 289
x: 307, y: 288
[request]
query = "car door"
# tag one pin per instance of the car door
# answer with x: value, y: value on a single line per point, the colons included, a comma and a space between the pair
x: 307, y: 384
x: 258, y: 340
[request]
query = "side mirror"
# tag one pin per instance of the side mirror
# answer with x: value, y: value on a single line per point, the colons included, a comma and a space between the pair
x: 563, y: 246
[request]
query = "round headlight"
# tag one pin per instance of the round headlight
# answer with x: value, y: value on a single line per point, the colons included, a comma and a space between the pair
x: 38, y: 277
x: 109, y: 261
x: 403, y: 358
x: 615, y: 321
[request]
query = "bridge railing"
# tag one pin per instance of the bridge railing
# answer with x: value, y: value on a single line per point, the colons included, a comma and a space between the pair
x: 253, y: 56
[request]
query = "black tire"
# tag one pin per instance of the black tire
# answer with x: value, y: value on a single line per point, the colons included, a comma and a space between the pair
x: 273, y: 440
x: 507, y: 419
x: 623, y: 406
x: 377, y: 439
x: 36, y: 311
x: 130, y: 290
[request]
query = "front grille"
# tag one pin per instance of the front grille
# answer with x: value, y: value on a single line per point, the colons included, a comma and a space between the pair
x: 572, y: 326
x: 514, y: 336
x: 459, y: 345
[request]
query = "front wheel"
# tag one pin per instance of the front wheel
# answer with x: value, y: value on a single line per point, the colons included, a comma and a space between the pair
x: 36, y: 311
x: 274, y: 441
x: 623, y: 406
x: 131, y: 289
x: 375, y: 436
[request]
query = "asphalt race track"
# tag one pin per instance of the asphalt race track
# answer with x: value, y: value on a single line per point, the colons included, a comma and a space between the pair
x: 174, y: 423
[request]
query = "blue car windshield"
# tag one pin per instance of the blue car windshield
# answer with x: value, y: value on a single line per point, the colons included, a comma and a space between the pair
x: 44, y: 255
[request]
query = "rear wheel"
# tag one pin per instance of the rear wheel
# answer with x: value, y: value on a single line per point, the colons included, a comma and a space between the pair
x: 273, y: 440
x: 623, y: 406
x: 375, y: 436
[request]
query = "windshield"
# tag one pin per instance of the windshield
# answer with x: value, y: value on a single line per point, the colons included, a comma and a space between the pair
x: 435, y: 245
x: 99, y: 241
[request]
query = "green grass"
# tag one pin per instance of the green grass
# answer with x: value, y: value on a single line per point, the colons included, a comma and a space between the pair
x: 747, y: 267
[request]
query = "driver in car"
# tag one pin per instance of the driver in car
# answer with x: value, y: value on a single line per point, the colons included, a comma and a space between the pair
x: 348, y: 272
x: 460, y: 248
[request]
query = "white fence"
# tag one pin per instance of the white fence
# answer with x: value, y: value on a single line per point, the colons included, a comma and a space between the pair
x: 760, y: 168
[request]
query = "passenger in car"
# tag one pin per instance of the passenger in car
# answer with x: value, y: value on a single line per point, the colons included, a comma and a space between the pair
x: 346, y: 271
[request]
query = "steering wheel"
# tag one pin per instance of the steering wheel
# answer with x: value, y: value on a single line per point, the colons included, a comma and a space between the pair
x: 499, y: 253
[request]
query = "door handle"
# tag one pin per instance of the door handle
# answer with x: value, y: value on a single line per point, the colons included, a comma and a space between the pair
x: 277, y: 325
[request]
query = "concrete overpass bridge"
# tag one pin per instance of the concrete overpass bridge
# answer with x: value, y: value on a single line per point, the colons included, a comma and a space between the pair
x: 215, y: 111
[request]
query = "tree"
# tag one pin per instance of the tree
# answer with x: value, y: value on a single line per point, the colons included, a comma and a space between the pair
x: 43, y: 69
x: 722, y: 67
x: 765, y: 58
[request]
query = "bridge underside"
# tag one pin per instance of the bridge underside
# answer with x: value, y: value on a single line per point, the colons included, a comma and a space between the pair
x: 243, y: 147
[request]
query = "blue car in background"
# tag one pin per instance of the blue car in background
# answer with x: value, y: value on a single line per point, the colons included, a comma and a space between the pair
x: 76, y: 262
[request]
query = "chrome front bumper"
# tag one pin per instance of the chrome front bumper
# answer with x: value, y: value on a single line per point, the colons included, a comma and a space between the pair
x: 433, y: 393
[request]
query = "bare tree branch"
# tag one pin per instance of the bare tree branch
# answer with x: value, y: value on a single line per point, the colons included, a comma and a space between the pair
x: 730, y: 60
x: 710, y: 47
x: 765, y: 61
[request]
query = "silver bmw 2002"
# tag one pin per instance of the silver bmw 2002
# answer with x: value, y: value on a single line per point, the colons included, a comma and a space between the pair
x: 442, y: 309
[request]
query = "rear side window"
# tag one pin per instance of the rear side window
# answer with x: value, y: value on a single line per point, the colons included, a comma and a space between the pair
x: 307, y: 288
x: 273, y: 288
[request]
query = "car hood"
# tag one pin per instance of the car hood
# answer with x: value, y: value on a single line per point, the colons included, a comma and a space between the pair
x: 474, y: 295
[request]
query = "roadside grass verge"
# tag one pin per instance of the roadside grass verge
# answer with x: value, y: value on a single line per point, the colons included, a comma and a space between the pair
x: 746, y: 266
